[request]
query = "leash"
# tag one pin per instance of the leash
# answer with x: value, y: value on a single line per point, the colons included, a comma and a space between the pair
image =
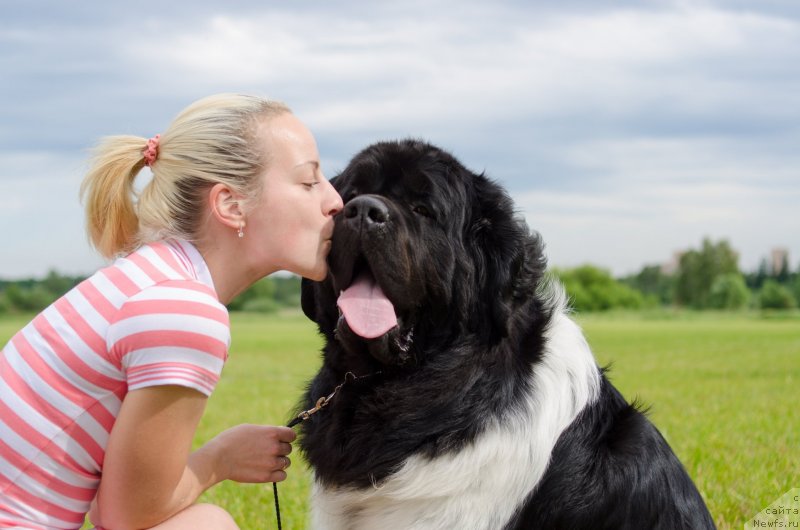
x: 306, y: 414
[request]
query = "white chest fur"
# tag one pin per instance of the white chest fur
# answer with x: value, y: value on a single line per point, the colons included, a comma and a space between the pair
x: 481, y: 486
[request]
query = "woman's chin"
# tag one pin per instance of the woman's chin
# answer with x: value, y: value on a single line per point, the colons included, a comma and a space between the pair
x: 316, y: 273
x: 317, y: 276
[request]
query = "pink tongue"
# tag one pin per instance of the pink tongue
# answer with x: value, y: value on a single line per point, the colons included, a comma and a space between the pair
x: 367, y: 310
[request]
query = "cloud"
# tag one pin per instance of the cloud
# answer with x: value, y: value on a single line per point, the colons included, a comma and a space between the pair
x: 679, y: 70
x: 41, y: 216
x: 637, y: 127
x: 653, y: 197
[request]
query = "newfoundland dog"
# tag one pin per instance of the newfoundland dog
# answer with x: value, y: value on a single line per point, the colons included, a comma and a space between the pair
x: 457, y: 391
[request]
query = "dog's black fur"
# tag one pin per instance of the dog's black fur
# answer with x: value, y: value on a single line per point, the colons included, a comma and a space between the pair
x: 466, y: 279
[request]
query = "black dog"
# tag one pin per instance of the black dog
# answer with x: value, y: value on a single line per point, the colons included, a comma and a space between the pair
x: 476, y: 402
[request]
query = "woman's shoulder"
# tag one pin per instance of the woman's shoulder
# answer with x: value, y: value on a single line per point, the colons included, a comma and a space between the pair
x: 157, y: 279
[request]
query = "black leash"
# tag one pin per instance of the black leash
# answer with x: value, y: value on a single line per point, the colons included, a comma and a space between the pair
x: 277, y: 504
x: 303, y: 416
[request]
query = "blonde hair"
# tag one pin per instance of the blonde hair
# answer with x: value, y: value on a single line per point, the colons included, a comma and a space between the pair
x: 214, y: 140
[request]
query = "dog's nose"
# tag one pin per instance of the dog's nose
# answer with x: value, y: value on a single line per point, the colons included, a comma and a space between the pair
x: 370, y: 211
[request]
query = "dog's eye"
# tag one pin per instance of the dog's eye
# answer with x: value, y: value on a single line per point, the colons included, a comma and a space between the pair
x: 422, y: 210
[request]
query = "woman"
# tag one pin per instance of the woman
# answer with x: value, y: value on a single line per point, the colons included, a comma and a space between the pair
x: 101, y: 394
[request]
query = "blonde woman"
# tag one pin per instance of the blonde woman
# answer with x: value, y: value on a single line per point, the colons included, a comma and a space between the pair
x: 101, y: 394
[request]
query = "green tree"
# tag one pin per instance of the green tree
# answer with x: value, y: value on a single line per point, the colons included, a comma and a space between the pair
x: 795, y: 288
x: 783, y: 273
x: 652, y: 282
x: 57, y: 284
x: 269, y: 294
x: 729, y: 291
x: 263, y: 289
x: 33, y: 298
x: 594, y: 289
x: 756, y: 279
x: 773, y: 295
x: 287, y: 290
x: 699, y: 268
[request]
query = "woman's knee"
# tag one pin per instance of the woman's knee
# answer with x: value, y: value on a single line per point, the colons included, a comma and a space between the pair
x: 200, y: 517
x: 216, y: 517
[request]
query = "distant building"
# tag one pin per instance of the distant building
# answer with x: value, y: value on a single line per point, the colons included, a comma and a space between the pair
x: 671, y: 267
x: 778, y: 258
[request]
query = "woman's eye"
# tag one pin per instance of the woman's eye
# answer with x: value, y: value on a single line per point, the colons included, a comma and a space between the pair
x: 310, y: 185
x: 422, y: 210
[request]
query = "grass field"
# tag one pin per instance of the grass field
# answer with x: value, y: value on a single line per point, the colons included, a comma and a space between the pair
x: 722, y: 389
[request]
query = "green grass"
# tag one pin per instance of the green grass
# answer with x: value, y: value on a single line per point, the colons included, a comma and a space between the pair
x: 270, y: 362
x: 722, y: 388
x: 723, y: 391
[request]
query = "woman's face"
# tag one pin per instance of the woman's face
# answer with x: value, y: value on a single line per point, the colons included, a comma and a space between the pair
x: 290, y: 227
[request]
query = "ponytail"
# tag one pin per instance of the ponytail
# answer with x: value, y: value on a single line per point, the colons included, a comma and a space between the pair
x: 214, y: 140
x: 108, y: 194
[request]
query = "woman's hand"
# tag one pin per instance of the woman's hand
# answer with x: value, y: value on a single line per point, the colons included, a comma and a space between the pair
x: 249, y: 453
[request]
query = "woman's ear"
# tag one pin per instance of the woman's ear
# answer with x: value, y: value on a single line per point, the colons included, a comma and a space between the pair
x: 226, y: 206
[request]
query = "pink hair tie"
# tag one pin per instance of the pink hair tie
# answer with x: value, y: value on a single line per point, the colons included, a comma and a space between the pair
x: 150, y: 152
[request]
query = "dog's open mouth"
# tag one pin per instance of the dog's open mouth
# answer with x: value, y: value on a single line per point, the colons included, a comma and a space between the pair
x: 366, y: 308
x: 369, y: 320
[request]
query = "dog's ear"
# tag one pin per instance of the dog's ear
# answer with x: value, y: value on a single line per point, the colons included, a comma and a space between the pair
x: 508, y: 259
x: 315, y: 297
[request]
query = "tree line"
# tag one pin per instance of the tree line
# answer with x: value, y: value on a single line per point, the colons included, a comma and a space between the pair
x: 705, y: 278
x: 25, y: 296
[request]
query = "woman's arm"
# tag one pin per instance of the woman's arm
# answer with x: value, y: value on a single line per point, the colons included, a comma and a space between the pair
x: 150, y: 473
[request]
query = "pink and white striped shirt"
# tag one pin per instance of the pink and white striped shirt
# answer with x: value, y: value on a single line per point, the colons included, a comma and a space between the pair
x: 151, y: 318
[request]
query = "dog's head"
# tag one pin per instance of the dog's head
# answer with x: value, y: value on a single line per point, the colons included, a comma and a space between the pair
x: 424, y: 251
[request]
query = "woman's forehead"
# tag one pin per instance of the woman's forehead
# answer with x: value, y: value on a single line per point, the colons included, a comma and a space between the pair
x: 288, y: 142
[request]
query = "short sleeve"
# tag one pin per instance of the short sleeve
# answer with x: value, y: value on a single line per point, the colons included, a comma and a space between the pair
x: 172, y: 333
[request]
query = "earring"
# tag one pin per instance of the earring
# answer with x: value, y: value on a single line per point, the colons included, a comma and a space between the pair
x: 241, y: 230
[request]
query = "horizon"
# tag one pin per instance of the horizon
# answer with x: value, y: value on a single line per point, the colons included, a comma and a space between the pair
x: 668, y: 267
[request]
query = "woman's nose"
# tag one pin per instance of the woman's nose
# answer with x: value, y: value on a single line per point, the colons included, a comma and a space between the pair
x: 333, y: 203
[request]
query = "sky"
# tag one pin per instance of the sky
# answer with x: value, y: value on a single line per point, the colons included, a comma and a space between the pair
x: 625, y: 131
